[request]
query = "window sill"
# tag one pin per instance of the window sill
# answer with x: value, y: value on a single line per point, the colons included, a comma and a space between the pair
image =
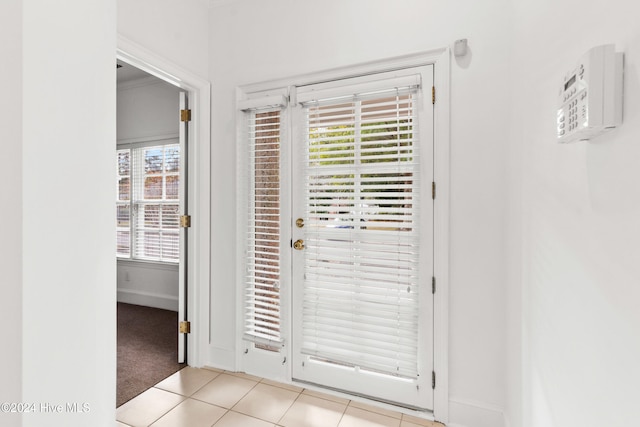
x: 148, y: 264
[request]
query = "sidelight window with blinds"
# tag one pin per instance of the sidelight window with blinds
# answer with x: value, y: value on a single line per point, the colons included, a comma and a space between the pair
x: 262, y: 310
x: 361, y: 274
x: 148, y: 205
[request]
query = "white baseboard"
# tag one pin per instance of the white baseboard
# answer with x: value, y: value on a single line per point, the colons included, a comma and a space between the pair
x: 148, y: 299
x: 467, y: 413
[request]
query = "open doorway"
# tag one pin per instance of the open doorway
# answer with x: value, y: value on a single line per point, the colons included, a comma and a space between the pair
x: 195, y: 132
x: 151, y: 173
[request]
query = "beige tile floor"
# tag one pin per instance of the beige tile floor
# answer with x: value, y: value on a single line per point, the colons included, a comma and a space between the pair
x: 205, y: 398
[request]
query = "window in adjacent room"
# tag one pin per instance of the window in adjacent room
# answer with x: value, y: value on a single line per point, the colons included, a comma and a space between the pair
x: 148, y: 204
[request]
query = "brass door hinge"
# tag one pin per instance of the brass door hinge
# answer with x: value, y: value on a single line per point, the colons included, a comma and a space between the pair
x: 185, y: 221
x: 433, y: 94
x: 185, y: 327
x: 185, y: 115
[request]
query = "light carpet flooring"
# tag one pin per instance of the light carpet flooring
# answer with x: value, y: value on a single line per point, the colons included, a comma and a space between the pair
x: 206, y: 397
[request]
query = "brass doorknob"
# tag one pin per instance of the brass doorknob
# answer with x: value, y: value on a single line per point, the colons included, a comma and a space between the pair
x: 298, y: 244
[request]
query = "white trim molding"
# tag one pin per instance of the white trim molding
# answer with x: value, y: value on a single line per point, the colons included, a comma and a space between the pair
x: 441, y: 176
x: 148, y: 299
x: 136, y: 83
x: 199, y: 90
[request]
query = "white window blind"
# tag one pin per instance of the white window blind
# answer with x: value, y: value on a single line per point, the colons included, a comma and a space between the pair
x: 262, y: 280
x: 123, y: 203
x: 361, y: 281
x: 149, y: 181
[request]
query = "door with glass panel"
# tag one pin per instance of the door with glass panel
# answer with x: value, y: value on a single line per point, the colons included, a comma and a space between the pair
x: 362, y: 236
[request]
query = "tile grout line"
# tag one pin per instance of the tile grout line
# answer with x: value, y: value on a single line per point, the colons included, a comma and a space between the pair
x: 171, y: 409
x: 281, y: 385
x: 343, y: 412
x: 290, y: 406
x: 232, y: 406
x: 247, y: 415
x: 320, y: 396
x: 243, y: 396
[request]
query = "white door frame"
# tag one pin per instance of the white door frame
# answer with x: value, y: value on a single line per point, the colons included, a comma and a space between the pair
x: 441, y: 59
x: 198, y: 267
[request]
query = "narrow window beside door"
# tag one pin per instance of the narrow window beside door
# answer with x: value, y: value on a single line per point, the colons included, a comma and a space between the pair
x: 262, y: 284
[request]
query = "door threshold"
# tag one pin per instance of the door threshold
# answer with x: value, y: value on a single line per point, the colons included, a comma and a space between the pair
x: 369, y: 400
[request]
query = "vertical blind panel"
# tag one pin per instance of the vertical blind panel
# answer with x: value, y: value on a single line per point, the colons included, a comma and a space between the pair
x: 360, y: 304
x: 262, y: 280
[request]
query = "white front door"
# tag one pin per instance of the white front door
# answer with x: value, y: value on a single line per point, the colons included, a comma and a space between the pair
x: 362, y: 227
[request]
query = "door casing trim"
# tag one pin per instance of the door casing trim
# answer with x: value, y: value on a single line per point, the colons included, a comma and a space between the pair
x: 440, y: 58
x: 199, y: 90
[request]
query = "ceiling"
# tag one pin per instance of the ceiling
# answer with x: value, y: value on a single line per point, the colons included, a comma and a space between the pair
x: 128, y: 72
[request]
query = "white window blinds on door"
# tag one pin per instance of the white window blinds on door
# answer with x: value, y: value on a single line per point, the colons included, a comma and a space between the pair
x: 263, y: 239
x: 361, y: 281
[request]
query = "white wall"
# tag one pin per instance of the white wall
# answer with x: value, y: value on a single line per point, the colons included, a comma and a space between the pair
x: 147, y: 108
x: 68, y: 268
x: 148, y: 284
x: 580, y: 228
x: 253, y: 41
x: 58, y: 108
x: 175, y: 30
x: 11, y: 208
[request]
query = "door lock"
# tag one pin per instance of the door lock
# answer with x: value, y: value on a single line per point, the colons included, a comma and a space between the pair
x: 298, y: 244
x: 299, y: 222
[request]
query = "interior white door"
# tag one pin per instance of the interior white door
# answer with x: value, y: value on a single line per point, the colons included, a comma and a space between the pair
x: 362, y: 247
x: 184, y: 232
